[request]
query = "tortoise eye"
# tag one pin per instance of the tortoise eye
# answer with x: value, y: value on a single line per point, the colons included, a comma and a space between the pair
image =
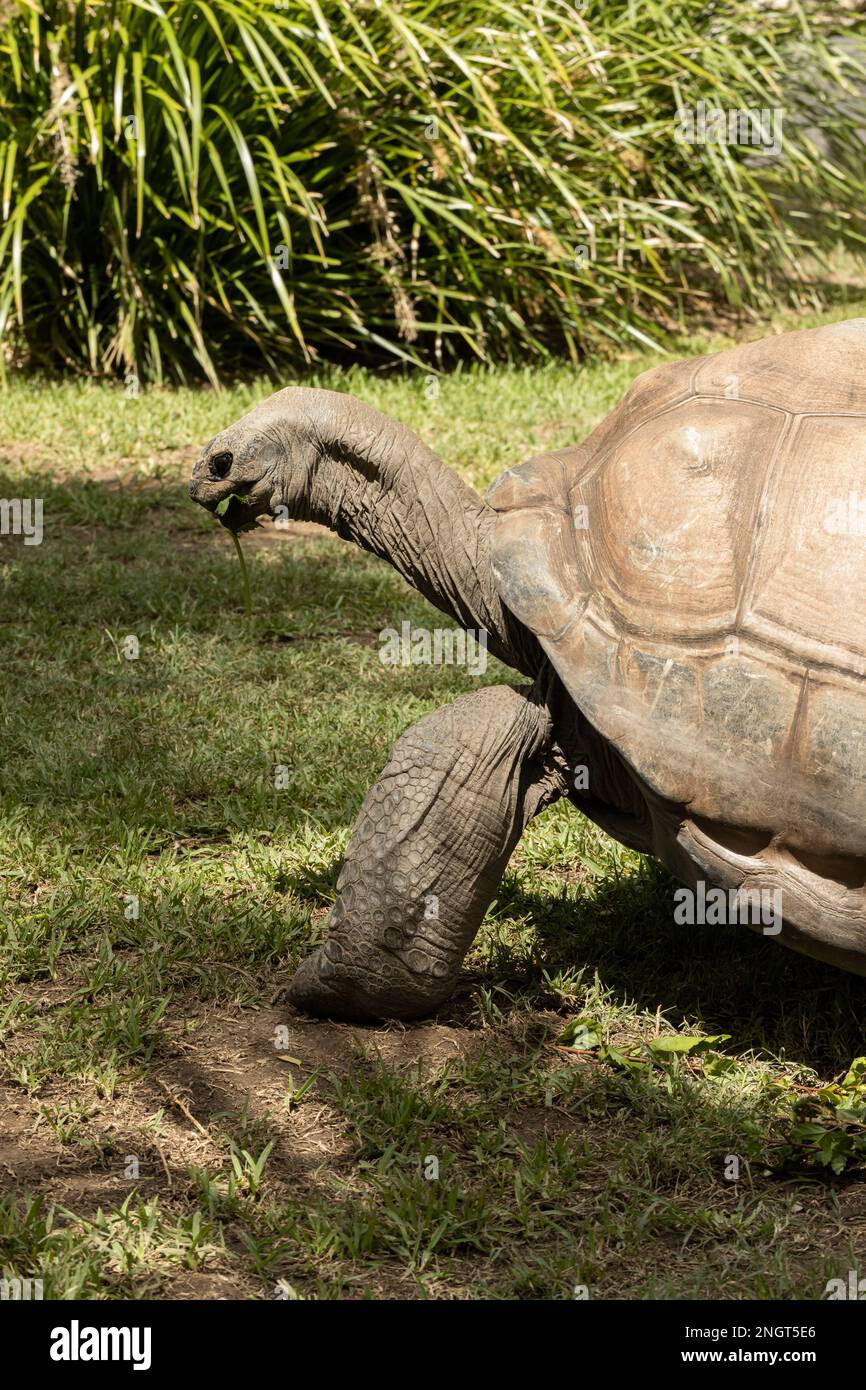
x: 220, y: 464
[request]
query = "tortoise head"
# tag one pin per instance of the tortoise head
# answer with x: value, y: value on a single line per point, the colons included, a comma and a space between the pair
x: 262, y: 462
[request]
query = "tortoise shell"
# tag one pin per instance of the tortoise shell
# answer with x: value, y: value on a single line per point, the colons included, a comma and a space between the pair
x: 696, y: 573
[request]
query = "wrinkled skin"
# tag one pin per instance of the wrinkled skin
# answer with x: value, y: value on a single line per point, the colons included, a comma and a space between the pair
x: 436, y: 831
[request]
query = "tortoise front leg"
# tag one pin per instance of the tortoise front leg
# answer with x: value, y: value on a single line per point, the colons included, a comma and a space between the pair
x: 427, y: 855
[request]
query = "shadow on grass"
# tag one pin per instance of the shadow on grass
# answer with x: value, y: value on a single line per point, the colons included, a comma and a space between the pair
x: 537, y: 1188
x: 728, y: 979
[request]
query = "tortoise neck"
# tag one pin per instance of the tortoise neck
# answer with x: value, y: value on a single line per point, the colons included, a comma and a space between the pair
x: 375, y: 483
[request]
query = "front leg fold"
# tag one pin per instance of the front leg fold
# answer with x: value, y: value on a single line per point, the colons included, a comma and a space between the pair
x: 427, y: 855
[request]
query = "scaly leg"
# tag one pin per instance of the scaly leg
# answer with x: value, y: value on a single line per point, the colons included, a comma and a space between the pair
x: 427, y: 855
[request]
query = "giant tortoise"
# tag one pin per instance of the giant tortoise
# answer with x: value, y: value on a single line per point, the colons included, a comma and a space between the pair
x: 686, y: 591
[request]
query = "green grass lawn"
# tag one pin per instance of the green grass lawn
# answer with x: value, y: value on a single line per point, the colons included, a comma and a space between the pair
x: 167, y: 1128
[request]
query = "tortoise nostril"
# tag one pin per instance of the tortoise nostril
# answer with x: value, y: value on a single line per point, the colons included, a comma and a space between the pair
x: 220, y: 464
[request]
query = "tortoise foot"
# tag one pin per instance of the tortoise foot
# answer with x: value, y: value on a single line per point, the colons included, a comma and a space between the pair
x: 331, y: 988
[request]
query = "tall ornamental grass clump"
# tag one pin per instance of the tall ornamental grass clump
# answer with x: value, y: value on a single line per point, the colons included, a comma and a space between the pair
x: 191, y: 189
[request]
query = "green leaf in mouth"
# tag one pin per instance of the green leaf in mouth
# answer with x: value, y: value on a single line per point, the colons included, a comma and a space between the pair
x: 231, y: 512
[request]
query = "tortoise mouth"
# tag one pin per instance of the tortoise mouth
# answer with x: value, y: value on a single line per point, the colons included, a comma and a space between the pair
x: 236, y: 510
x: 239, y: 512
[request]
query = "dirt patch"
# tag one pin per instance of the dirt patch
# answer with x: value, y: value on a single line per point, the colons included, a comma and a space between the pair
x: 265, y: 535
x: 225, y: 1070
x: 251, y: 1048
x: 197, y: 1284
x: 24, y: 455
x: 269, y: 532
x: 120, y: 472
x: 171, y: 464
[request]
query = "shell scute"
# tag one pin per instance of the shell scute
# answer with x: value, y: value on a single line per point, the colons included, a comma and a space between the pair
x: 697, y: 597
